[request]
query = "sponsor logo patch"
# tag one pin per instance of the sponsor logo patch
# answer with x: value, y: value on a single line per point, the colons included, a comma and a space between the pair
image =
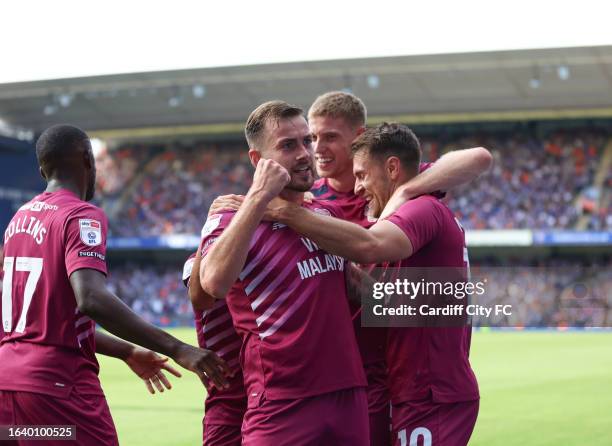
x: 91, y: 232
x: 97, y: 255
x: 211, y: 224
x: 37, y: 206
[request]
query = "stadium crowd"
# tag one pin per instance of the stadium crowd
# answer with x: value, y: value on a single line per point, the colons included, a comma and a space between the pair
x: 554, y: 293
x: 534, y: 184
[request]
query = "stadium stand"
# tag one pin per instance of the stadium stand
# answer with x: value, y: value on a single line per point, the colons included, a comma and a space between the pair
x: 546, y: 294
x: 536, y: 183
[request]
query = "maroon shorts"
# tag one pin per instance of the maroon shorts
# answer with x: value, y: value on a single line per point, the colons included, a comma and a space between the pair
x: 333, y: 419
x: 379, y: 404
x: 221, y: 435
x: 426, y: 423
x: 89, y: 413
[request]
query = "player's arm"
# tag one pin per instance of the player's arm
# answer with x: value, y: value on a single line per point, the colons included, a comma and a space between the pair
x: 382, y: 242
x: 96, y: 301
x: 225, y: 258
x: 200, y: 299
x: 145, y: 363
x: 452, y: 170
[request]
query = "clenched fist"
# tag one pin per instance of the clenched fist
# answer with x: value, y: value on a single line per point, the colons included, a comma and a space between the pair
x: 270, y: 178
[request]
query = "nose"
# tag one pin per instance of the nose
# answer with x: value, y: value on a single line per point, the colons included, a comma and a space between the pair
x: 358, y: 188
x: 318, y: 146
x: 305, y: 152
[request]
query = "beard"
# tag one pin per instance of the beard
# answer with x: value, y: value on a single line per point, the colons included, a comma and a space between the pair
x: 301, y: 182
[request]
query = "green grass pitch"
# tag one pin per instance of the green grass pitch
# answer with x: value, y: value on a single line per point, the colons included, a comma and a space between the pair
x: 537, y: 388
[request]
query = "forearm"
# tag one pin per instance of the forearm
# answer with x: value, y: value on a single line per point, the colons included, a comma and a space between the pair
x: 226, y: 257
x: 452, y: 170
x: 112, y: 346
x: 199, y: 298
x: 333, y: 235
x: 117, y: 318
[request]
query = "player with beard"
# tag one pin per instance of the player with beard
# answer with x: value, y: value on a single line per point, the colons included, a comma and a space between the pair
x: 433, y: 388
x: 335, y: 119
x: 54, y: 291
x: 302, y: 369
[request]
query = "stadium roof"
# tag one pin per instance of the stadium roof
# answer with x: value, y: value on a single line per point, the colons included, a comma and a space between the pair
x: 547, y: 83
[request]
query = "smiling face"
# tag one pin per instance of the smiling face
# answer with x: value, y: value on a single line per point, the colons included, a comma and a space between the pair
x: 332, y: 137
x: 372, y: 181
x: 289, y: 143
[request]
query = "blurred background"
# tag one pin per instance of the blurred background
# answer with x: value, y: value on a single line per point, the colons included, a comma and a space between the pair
x: 530, y: 82
x: 168, y: 142
x: 164, y: 91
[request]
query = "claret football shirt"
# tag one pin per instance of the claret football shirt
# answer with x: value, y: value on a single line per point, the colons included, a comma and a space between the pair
x: 47, y: 346
x: 289, y: 306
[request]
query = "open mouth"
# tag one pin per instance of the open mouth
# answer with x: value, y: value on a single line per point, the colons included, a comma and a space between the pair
x: 324, y: 161
x: 302, y: 169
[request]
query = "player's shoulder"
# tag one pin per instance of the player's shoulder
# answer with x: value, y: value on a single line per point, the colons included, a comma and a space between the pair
x: 216, y: 221
x: 325, y: 207
x: 319, y: 187
x: 424, y: 204
x: 82, y: 209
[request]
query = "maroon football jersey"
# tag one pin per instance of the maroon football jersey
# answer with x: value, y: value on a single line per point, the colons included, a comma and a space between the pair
x: 430, y: 361
x: 48, y: 346
x: 289, y: 306
x: 217, y: 333
x: 371, y: 340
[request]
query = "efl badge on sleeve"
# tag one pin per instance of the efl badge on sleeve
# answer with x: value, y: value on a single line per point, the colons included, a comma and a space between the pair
x: 91, y: 232
x: 187, y: 268
x: 211, y: 224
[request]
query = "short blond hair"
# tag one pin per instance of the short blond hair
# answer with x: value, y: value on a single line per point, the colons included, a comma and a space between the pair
x: 339, y: 104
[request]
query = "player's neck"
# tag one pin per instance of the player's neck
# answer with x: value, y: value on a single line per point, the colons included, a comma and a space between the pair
x: 343, y: 183
x: 292, y: 195
x: 54, y: 185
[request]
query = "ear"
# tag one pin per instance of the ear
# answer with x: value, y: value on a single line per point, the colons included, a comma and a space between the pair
x: 360, y: 130
x: 393, y: 166
x: 254, y: 156
x: 42, y: 173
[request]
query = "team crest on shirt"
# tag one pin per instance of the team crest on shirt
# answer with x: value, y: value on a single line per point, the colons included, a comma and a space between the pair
x: 91, y: 232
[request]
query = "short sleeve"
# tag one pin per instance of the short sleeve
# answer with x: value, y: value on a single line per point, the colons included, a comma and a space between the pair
x: 212, y: 229
x: 187, y: 267
x: 85, y: 240
x: 419, y: 219
x: 438, y: 193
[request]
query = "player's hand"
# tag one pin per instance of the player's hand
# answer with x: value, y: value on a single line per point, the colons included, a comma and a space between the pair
x: 308, y: 197
x: 225, y: 203
x: 149, y: 366
x: 270, y: 178
x: 209, y: 367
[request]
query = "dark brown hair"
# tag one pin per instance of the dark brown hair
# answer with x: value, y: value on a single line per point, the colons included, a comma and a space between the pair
x: 391, y: 139
x: 272, y: 111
